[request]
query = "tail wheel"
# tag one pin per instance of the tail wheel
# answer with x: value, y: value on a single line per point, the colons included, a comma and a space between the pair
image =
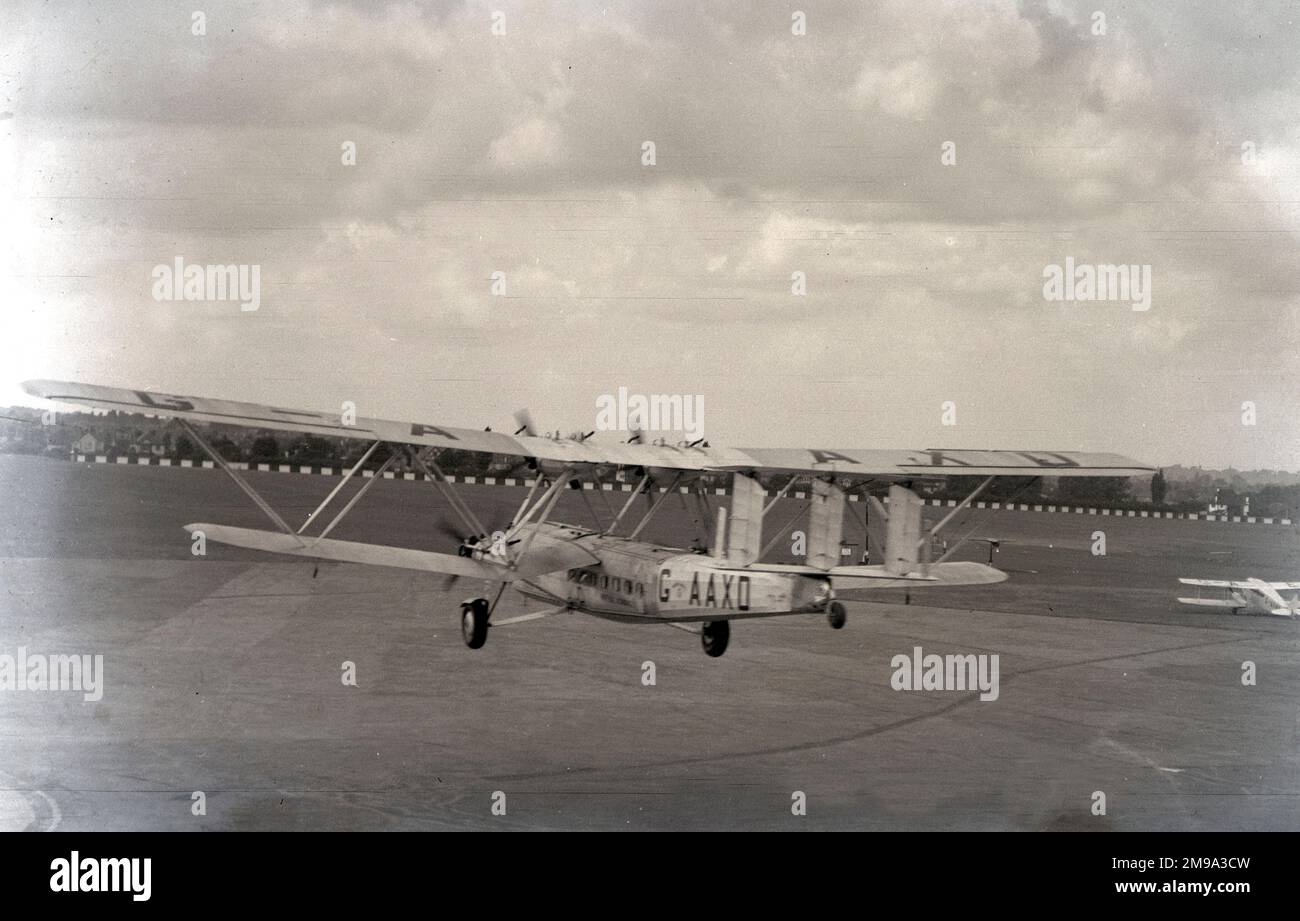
x: 474, y: 622
x: 836, y: 616
x: 715, y: 636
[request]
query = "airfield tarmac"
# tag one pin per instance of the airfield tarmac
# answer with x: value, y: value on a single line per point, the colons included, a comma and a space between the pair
x: 222, y: 675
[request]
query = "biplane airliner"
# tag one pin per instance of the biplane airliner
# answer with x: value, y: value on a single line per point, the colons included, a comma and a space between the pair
x: 606, y: 571
x: 1249, y: 596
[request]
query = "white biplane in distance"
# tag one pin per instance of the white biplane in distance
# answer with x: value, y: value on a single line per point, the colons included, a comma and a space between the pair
x: 1251, y: 596
x: 607, y: 571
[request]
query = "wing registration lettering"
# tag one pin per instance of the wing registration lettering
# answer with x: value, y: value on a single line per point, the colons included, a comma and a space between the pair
x: 180, y: 404
x: 938, y: 459
x: 1048, y: 459
x: 829, y: 457
x: 419, y: 430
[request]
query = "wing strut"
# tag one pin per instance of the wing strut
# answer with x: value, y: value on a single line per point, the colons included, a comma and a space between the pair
x: 379, y: 475
x: 640, y: 488
x: 440, y: 481
x: 335, y: 491
x: 532, y: 491
x: 953, y: 514
x: 776, y: 538
x: 550, y: 497
x: 953, y: 549
x: 655, y: 507
x: 273, y: 514
x: 780, y: 495
x: 524, y: 618
x: 240, y: 481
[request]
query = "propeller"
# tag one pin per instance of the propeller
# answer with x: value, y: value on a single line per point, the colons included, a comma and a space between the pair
x: 524, y: 419
x: 447, y: 529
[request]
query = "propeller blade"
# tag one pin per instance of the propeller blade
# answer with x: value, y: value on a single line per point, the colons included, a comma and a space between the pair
x: 524, y: 419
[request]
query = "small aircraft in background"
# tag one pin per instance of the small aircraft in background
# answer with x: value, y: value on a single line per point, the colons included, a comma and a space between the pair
x: 606, y: 571
x: 1249, y: 596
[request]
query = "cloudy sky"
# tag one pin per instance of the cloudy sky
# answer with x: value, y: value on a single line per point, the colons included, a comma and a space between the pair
x: 1172, y: 140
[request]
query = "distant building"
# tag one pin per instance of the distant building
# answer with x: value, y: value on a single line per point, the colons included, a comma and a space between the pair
x: 151, y: 445
x: 88, y: 444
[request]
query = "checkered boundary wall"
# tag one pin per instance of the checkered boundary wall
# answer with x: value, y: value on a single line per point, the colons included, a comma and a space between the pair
x: 153, y: 461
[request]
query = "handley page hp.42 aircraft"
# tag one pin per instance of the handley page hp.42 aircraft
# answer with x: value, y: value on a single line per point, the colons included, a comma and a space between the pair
x: 607, y: 572
x: 1253, y: 596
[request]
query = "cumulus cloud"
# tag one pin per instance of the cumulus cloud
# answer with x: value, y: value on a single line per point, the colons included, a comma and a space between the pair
x: 132, y: 140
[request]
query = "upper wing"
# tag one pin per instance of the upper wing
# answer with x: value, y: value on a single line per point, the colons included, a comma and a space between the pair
x: 849, y: 462
x: 943, y: 462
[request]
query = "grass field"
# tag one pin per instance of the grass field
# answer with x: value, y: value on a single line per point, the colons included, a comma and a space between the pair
x: 222, y: 675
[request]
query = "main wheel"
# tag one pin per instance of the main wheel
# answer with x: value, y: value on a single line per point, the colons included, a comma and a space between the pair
x: 474, y: 622
x: 714, y: 637
x: 836, y: 616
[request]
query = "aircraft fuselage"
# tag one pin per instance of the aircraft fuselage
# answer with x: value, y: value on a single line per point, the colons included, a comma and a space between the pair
x: 638, y: 581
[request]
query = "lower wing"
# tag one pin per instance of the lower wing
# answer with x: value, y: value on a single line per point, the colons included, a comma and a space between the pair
x: 937, y: 574
x: 346, y: 551
x: 1211, y: 602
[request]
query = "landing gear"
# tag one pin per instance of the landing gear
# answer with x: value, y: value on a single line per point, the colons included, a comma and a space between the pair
x: 474, y: 622
x: 714, y: 637
x: 836, y: 616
